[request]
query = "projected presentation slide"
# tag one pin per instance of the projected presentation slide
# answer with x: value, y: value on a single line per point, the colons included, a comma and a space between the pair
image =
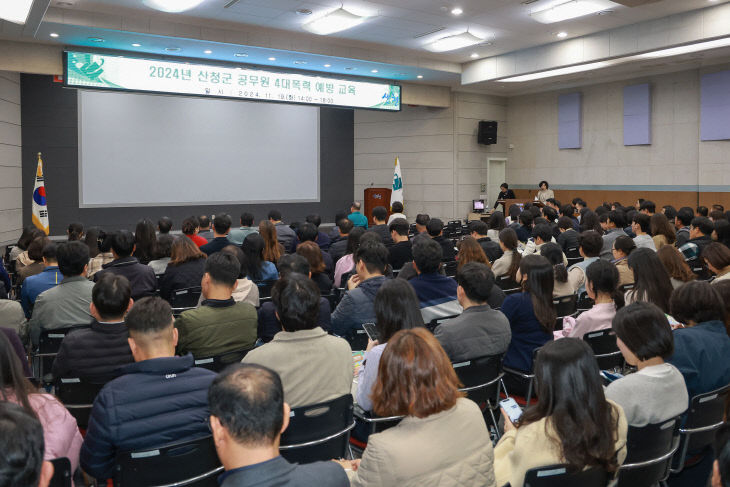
x: 153, y: 150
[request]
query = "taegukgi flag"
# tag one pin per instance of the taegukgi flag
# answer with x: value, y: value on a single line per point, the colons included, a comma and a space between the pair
x: 397, y: 193
x: 40, y: 210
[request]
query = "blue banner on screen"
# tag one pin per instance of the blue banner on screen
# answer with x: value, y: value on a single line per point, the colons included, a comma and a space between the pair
x: 115, y: 72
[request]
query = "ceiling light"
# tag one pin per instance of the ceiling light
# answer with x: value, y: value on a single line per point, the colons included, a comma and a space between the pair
x: 96, y: 39
x: 332, y: 22
x: 173, y: 49
x: 16, y: 11
x: 451, y: 43
x: 457, y: 11
x: 272, y: 59
x: 172, y: 5
x: 136, y: 45
x: 349, y: 68
x: 562, y: 35
x: 53, y: 34
x: 299, y: 61
x: 207, y: 51
x: 474, y: 55
x: 373, y: 70
x: 674, y: 51
x: 570, y: 10
x: 241, y: 54
x: 420, y: 76
x: 327, y: 65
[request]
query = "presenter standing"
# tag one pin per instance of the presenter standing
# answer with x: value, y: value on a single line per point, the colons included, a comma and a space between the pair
x: 504, y: 194
x: 545, y: 192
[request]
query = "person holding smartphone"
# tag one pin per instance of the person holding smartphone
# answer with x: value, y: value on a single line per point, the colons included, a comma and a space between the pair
x: 572, y: 423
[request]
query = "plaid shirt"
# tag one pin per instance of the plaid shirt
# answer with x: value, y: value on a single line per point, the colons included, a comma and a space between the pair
x: 692, y: 249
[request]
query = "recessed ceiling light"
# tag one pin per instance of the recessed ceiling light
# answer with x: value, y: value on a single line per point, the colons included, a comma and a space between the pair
x: 207, y: 51
x: 172, y: 5
x: 420, y: 76
x: 16, y: 11
x: 173, y: 49
x: 373, y: 70
x: 136, y: 45
x: 453, y: 42
x: 456, y: 11
x: 299, y: 61
x: 332, y: 22
x: 562, y: 35
x: 241, y: 54
x: 96, y: 39
x: 304, y: 11
x: 570, y: 10
x: 474, y: 55
x: 272, y: 59
x: 53, y: 34
x: 327, y: 65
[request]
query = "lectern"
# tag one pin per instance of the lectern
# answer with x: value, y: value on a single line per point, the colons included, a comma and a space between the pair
x: 376, y: 197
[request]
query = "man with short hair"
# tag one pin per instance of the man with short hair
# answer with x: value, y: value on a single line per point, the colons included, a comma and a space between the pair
x: 682, y: 222
x: 541, y: 234
x: 268, y: 325
x: 568, y: 238
x: 647, y: 208
x: 22, y: 449
x: 141, y: 277
x: 435, y: 229
x: 220, y: 324
x: 205, y: 231
x: 323, y: 240
x: 479, y: 330
x: 422, y: 220
x: 285, y: 235
x: 700, y: 234
x: 237, y: 235
x: 380, y: 216
x: 314, y: 367
x: 97, y: 353
x: 640, y: 223
x: 436, y: 292
x: 702, y: 211
x: 158, y: 400
x: 357, y: 218
x: 504, y: 194
x: 33, y: 286
x: 164, y: 225
x: 491, y: 249
x: 338, y: 248
x: 68, y: 303
x: 615, y: 225
x: 552, y: 203
x: 247, y: 417
x: 221, y: 227
x: 590, y: 243
x: 356, y: 306
x: 400, y: 252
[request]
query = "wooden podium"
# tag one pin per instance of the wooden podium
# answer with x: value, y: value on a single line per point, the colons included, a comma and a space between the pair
x: 507, y: 203
x: 375, y: 197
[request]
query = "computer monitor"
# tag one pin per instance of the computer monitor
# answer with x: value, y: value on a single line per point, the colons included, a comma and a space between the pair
x: 478, y: 206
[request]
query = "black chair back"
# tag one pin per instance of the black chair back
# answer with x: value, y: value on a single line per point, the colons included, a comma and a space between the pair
x: 449, y: 267
x: 357, y: 339
x: 508, y: 285
x: 185, y: 299
x: 217, y: 363
x: 434, y: 323
x: 649, y: 453
x: 584, y: 302
x: 603, y: 344
x: 265, y: 288
x: 565, y: 306
x: 573, y: 256
x: 698, y: 267
x: 49, y: 343
x: 77, y: 395
x: 189, y: 463
x: 480, y: 378
x: 318, y: 432
x: 61, y: 473
x: 559, y: 476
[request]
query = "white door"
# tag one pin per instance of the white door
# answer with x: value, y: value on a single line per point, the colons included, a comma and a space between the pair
x: 495, y: 177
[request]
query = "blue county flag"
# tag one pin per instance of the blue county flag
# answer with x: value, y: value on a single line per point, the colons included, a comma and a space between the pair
x: 40, y: 210
x: 397, y: 194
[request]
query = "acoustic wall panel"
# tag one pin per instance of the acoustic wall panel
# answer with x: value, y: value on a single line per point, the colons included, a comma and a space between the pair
x: 715, y: 106
x: 637, y: 114
x: 569, y: 121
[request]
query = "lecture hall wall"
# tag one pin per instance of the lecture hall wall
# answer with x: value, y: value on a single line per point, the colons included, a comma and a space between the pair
x: 10, y: 160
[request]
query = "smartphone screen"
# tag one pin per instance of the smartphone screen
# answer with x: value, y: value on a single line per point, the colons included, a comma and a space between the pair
x: 371, y: 330
x: 512, y: 409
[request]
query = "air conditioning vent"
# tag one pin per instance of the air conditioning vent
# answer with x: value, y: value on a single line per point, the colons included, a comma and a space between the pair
x: 424, y: 34
x: 635, y: 3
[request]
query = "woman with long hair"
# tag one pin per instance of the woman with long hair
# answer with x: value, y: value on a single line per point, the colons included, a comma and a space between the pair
x: 20, y: 251
x: 145, y: 240
x: 346, y: 263
x: 677, y: 268
x: 552, y: 252
x: 60, y: 432
x: 717, y: 259
x: 75, y: 231
x: 416, y: 380
x: 470, y: 251
x: 185, y: 269
x: 623, y: 246
x: 254, y: 265
x: 273, y: 250
x: 509, y: 263
x: 311, y: 251
x: 663, y: 233
x: 496, y: 224
x: 572, y: 423
x: 652, y: 282
x: 531, y: 313
x: 722, y: 232
x: 591, y: 221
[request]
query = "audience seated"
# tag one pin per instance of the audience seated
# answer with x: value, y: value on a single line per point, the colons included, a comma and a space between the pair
x: 311, y: 251
x: 572, y: 423
x: 602, y: 280
x: 164, y: 225
x: 323, y: 240
x: 141, y: 277
x: 273, y: 250
x: 524, y: 228
x: 652, y: 282
x: 590, y: 243
x: 541, y: 234
x: 314, y: 367
x: 509, y: 263
x: 220, y: 324
x: 640, y: 225
x: 480, y: 330
x: 568, y: 238
x: 346, y: 263
x: 308, y: 232
x: 436, y: 292
x: 185, y: 269
x: 678, y: 270
x: 702, y: 211
x: 717, y: 259
x: 34, y: 255
x: 221, y: 227
x: 380, y: 216
x: 421, y: 222
x: 66, y: 304
x: 700, y: 236
x: 682, y: 222
x: 246, y: 290
x: 237, y: 235
x: 356, y: 306
x: 702, y: 346
x: 268, y: 324
x: 663, y: 233
x: 656, y: 391
x: 401, y: 251
x: 145, y: 240
x: 615, y: 227
x: 479, y: 231
x: 19, y: 253
x: 23, y: 447
x: 436, y: 232
x: 721, y: 466
x: 45, y: 279
x: 531, y: 313
x: 204, y: 230
x: 163, y: 250
x: 623, y: 246
x: 190, y: 228
x: 100, y: 251
x: 396, y: 211
x: 254, y: 266
x: 158, y: 400
x: 495, y: 225
x: 97, y: 353
x: 60, y: 432
x: 552, y: 252
x: 247, y: 417
x: 12, y: 316
x: 338, y: 247
x: 442, y: 440
x: 357, y: 218
x: 285, y: 235
x: 396, y: 308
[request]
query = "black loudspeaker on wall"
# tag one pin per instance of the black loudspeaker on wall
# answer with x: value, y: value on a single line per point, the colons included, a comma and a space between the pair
x: 487, y: 133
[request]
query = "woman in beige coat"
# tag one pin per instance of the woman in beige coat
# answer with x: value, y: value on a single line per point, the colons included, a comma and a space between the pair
x: 442, y: 441
x: 571, y: 405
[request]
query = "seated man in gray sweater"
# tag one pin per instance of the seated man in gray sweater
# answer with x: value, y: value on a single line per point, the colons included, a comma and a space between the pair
x: 480, y: 330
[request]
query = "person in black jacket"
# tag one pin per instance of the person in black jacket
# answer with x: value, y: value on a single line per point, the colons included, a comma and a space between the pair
x: 400, y: 252
x: 380, y: 217
x: 141, y: 277
x: 221, y: 227
x: 185, y: 269
x: 96, y: 354
x: 435, y: 228
x: 338, y: 247
x: 159, y: 399
x: 504, y: 194
x: 491, y: 248
x: 568, y: 238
